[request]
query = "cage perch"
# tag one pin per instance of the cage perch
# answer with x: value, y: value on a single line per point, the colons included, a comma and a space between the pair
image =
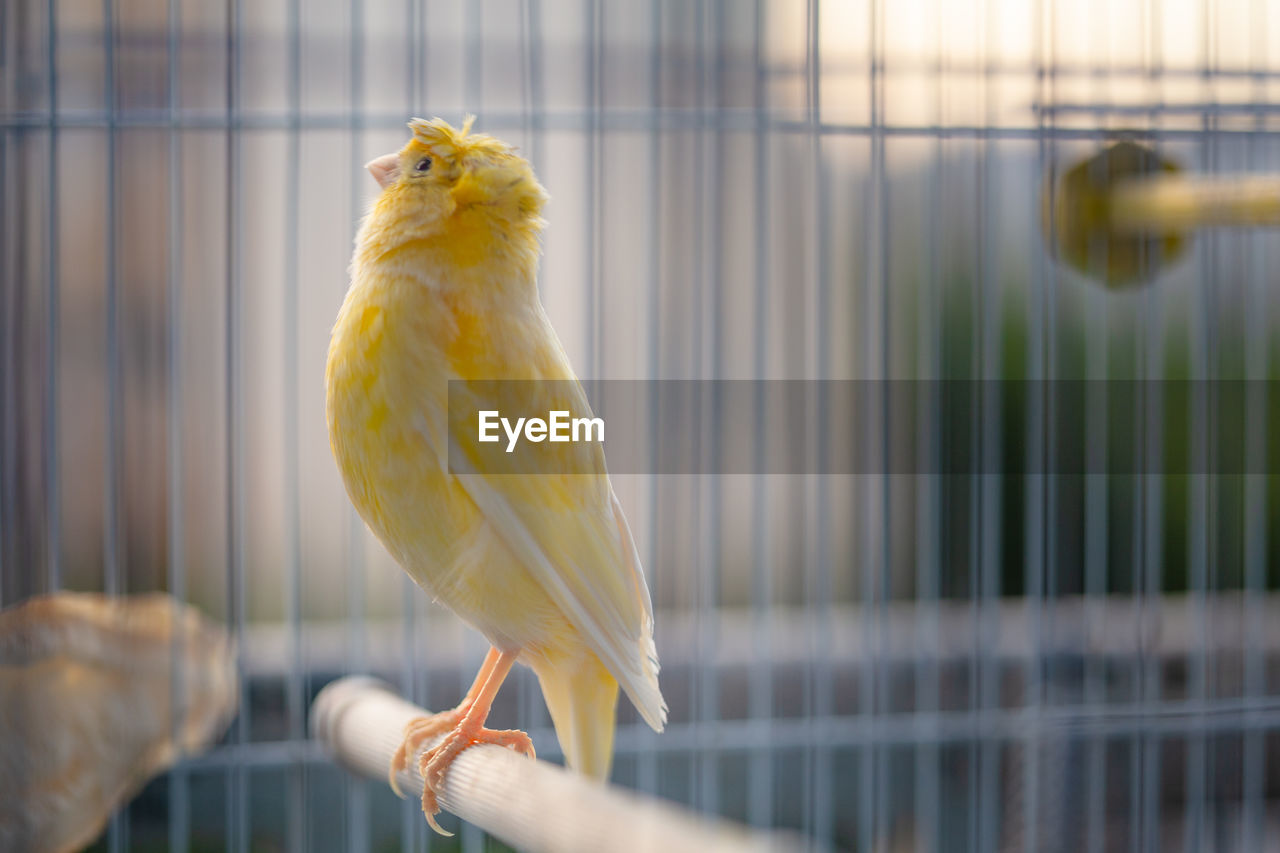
x: 532, y: 805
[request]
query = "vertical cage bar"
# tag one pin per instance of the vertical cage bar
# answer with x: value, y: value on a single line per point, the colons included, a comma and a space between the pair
x: 295, y: 775
x: 867, y: 534
x: 533, y: 96
x: 530, y: 710
x: 593, y: 316
x: 1039, y: 487
x: 11, y: 272
x: 414, y: 834
x: 179, y: 819
x: 647, y: 763
x: 1200, y: 488
x: 356, y: 538
x: 988, y: 520
x: 879, y: 369
x: 984, y: 754
x: 52, y: 468
x: 112, y: 582
x: 593, y: 246
x: 760, y: 795
x: 701, y: 582
x: 1150, y: 502
x: 927, y: 817
x: 357, y: 790
x: 1096, y: 565
x: 1098, y: 337
x: 1152, y: 533
x: 712, y: 142
x: 821, y: 354
x: 473, y: 838
x: 473, y: 57
x: 1152, y: 507
x: 113, y: 546
x: 359, y: 817
x: 824, y: 806
x: 1254, y: 769
x: 1203, y: 545
x: 237, y: 780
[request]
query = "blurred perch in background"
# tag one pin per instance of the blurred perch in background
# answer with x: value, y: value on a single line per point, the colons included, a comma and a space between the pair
x: 87, y: 712
x: 1124, y: 213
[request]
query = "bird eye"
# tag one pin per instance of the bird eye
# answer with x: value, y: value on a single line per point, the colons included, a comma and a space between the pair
x: 422, y: 165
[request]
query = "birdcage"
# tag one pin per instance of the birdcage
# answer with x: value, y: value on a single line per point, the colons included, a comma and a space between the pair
x: 1015, y: 588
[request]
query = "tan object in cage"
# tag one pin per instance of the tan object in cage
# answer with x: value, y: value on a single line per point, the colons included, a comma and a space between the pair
x: 1127, y: 212
x: 87, y: 684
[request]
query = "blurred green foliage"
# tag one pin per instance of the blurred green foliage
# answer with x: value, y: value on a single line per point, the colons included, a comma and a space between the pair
x: 1170, y: 529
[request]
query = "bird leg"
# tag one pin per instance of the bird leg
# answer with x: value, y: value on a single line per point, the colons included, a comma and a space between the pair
x: 422, y: 729
x: 468, y: 732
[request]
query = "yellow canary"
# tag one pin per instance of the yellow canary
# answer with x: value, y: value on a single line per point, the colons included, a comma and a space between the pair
x: 543, y: 564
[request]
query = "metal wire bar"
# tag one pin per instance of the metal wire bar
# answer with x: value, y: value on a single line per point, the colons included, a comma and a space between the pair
x: 179, y: 794
x: 1038, y: 505
x: 1176, y: 718
x: 709, y: 164
x: 928, y: 521
x: 9, y: 269
x: 473, y: 92
x: 1253, y: 770
x: 1147, y: 535
x: 874, y: 570
x: 357, y: 799
x: 609, y: 121
x: 237, y: 780
x: 647, y: 765
x: 291, y: 593
x: 531, y: 711
x: 988, y: 562
x: 113, y: 580
x: 413, y: 836
x: 823, y: 802
x: 1098, y: 338
x: 760, y: 795
x: 52, y: 468
x: 592, y: 201
x: 1131, y: 631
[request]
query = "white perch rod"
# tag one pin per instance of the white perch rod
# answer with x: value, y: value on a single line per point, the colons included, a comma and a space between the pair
x: 531, y: 805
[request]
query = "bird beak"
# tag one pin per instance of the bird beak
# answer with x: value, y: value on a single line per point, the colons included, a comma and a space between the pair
x: 385, y: 169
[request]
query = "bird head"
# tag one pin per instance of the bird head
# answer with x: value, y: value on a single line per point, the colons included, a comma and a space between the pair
x: 447, y: 178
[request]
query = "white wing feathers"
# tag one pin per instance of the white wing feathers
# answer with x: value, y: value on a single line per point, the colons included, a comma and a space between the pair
x: 624, y: 645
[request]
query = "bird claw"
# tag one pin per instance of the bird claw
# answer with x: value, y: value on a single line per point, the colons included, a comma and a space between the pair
x: 419, y: 730
x: 431, y: 808
x: 435, y: 761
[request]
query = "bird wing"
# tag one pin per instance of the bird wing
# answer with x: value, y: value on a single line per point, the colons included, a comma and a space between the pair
x: 553, y: 507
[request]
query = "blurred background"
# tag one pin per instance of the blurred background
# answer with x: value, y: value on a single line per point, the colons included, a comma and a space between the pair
x: 740, y: 190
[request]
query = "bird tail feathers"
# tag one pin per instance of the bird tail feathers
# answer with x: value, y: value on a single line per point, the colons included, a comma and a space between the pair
x: 583, y: 700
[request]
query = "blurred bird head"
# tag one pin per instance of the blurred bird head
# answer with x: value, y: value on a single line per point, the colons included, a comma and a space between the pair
x: 452, y: 182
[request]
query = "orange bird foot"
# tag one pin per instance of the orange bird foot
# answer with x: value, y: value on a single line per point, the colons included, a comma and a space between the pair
x: 437, y: 760
x: 417, y: 732
x: 422, y: 729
